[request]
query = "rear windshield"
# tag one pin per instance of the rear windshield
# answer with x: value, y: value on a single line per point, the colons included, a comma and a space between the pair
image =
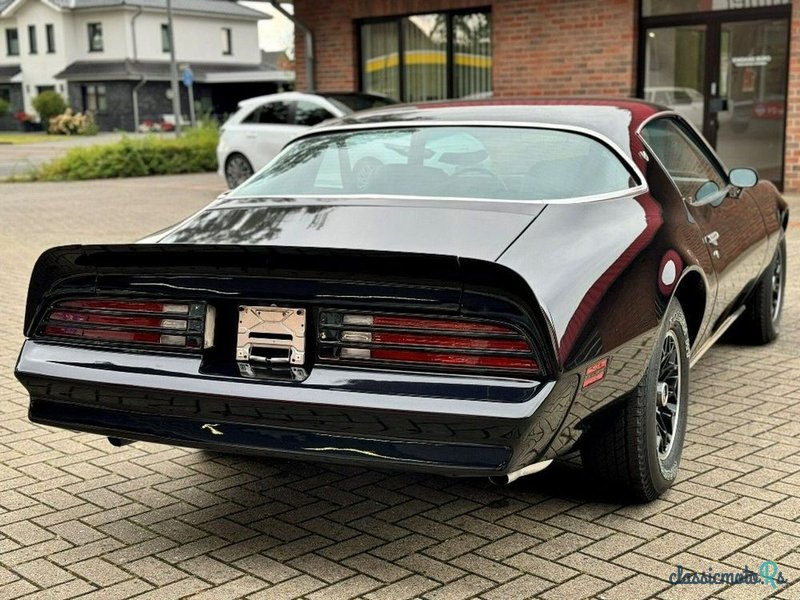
x: 460, y: 162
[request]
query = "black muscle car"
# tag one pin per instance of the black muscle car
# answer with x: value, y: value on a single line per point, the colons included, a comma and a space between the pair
x: 471, y: 289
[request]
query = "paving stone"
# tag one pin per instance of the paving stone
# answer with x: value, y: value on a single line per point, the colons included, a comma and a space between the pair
x: 81, y: 518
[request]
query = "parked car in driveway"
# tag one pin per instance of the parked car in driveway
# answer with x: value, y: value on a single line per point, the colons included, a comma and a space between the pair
x: 256, y: 132
x: 548, y: 293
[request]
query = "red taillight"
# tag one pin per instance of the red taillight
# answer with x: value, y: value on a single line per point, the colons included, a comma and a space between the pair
x: 135, y: 322
x: 402, y: 341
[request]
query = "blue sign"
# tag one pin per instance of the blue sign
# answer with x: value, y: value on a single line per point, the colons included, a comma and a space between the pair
x: 187, y: 77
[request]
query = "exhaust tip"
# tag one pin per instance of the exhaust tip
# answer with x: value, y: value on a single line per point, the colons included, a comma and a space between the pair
x: 119, y: 442
x: 507, y: 478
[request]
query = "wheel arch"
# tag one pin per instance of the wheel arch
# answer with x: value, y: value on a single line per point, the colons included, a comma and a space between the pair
x: 692, y: 293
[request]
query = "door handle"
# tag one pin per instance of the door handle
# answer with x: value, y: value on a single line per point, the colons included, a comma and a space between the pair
x: 712, y: 239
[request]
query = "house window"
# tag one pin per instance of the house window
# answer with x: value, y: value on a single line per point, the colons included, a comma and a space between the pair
x: 227, y: 40
x: 94, y: 98
x: 12, y: 42
x: 165, y: 41
x: 95, y: 37
x: 428, y: 56
x: 33, y: 46
x: 50, y: 34
x: 5, y: 93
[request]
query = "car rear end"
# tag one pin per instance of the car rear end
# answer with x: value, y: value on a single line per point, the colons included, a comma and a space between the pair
x: 423, y: 362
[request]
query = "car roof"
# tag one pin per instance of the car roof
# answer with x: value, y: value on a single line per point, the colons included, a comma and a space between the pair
x: 615, y: 119
x: 301, y: 95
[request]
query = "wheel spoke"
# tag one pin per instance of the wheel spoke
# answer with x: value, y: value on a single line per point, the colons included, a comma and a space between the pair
x: 669, y: 376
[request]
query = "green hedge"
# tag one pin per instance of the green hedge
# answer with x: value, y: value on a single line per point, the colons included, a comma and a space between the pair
x: 193, y: 152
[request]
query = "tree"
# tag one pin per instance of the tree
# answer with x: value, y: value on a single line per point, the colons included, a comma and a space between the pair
x: 49, y: 104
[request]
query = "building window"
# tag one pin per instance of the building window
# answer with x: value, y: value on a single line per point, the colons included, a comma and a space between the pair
x: 227, y: 40
x: 95, y: 37
x: 33, y: 46
x: 5, y: 93
x: 428, y: 57
x: 652, y: 8
x: 12, y: 42
x: 94, y: 98
x: 165, y: 45
x: 50, y: 34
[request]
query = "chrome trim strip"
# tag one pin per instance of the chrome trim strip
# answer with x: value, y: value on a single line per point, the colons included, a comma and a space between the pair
x: 696, y: 356
x: 628, y: 193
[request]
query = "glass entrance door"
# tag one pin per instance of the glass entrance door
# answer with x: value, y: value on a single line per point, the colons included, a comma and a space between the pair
x: 674, y: 70
x: 752, y: 79
x: 728, y: 77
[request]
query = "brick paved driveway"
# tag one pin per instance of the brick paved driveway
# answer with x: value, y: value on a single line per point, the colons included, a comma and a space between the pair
x: 78, y: 517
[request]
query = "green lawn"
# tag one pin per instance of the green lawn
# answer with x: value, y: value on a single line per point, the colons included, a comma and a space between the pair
x: 28, y: 138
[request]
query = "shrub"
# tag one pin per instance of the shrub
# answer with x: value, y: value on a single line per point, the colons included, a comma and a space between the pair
x: 49, y: 104
x: 73, y: 124
x: 4, y: 106
x: 137, y: 157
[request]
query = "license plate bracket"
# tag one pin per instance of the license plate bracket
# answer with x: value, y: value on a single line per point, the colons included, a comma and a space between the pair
x: 271, y: 335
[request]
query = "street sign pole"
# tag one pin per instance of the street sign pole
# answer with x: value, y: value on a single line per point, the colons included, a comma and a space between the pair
x: 191, y: 106
x: 176, y: 92
x: 187, y: 76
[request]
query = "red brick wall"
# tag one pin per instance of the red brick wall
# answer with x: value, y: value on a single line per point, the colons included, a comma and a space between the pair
x: 791, y: 169
x: 541, y: 47
x: 566, y: 47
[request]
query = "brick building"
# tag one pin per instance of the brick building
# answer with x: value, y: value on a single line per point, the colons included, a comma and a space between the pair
x: 732, y: 67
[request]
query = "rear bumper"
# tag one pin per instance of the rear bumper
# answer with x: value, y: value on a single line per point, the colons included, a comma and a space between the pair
x: 464, y: 426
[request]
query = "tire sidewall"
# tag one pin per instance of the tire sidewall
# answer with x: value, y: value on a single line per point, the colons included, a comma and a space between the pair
x: 663, y: 472
x: 774, y: 326
x: 237, y: 156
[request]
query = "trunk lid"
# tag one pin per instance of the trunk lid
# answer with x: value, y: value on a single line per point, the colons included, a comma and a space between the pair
x: 480, y: 229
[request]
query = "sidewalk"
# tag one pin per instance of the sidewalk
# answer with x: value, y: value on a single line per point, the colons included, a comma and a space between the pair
x: 17, y: 159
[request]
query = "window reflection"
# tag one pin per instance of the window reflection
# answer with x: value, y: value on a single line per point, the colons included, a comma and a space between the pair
x: 444, y: 55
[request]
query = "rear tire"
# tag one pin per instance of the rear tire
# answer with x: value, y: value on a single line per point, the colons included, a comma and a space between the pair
x: 237, y: 170
x: 760, y: 322
x: 636, y: 448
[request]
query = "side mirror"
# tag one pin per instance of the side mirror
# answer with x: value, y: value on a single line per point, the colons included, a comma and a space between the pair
x: 709, y: 193
x: 743, y: 177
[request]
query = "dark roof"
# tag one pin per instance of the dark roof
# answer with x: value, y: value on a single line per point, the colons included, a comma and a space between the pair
x: 218, y: 7
x: 7, y: 72
x: 111, y: 70
x: 615, y: 119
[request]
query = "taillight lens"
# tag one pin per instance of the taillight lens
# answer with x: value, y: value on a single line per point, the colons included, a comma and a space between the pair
x: 176, y: 325
x: 405, y: 342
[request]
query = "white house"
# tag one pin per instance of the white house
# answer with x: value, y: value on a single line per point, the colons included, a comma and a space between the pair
x: 112, y: 56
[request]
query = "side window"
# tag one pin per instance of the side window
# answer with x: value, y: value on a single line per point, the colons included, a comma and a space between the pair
x: 253, y: 116
x: 274, y: 113
x: 310, y: 113
x: 686, y: 163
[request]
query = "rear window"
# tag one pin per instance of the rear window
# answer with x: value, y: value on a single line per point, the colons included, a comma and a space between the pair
x: 461, y: 162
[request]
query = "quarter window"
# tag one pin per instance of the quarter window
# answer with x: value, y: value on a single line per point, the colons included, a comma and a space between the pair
x: 95, y: 31
x: 428, y: 56
x: 12, y: 42
x: 685, y: 162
